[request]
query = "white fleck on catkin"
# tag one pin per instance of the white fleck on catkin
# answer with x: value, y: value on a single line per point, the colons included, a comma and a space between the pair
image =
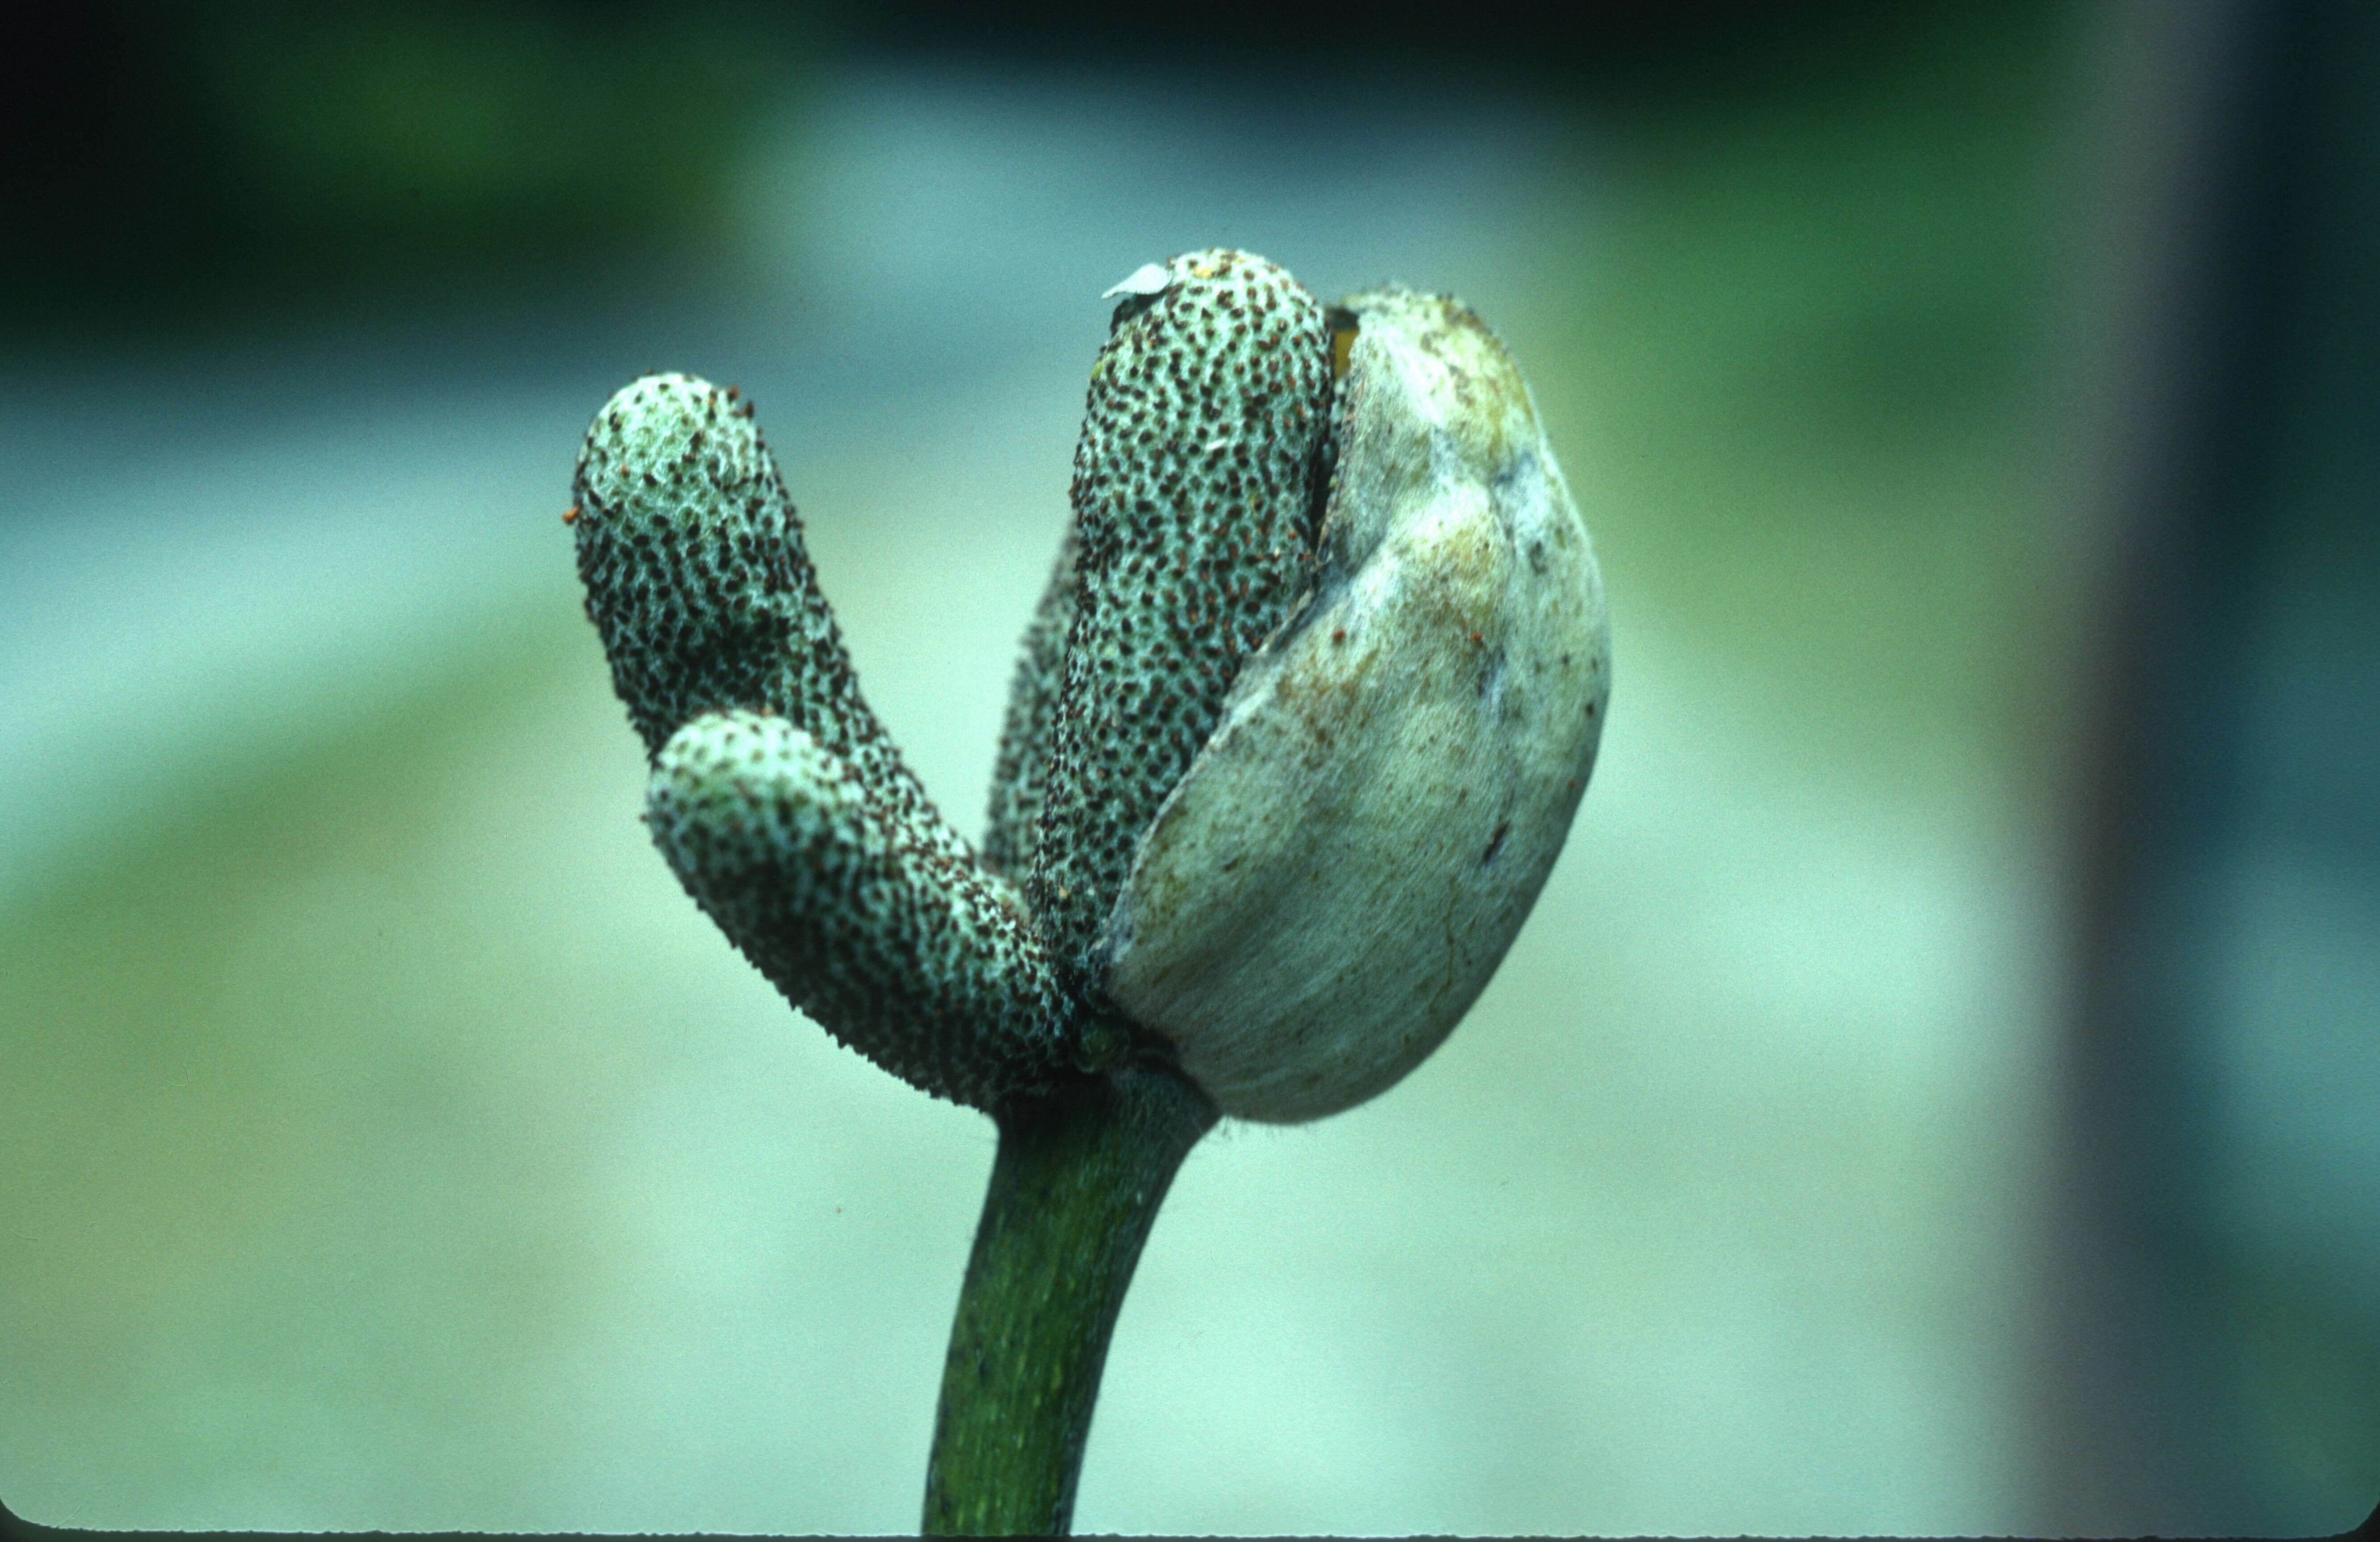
x: 1149, y: 278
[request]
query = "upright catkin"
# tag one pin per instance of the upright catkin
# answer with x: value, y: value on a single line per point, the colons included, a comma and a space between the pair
x: 1195, y: 505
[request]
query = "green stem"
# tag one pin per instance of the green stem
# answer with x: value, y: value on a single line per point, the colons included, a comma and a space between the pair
x: 1077, y: 1181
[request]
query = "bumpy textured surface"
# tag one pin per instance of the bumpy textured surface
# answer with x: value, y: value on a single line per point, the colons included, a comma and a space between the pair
x: 697, y: 581
x: 1279, y: 787
x: 1017, y: 772
x: 900, y: 951
x: 1338, y: 875
x: 1193, y: 500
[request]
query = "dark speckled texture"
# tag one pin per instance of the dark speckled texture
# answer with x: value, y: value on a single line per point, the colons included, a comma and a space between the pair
x: 777, y: 797
x: 916, y: 961
x: 1194, y: 500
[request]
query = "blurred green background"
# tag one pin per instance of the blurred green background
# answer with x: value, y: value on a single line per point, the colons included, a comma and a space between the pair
x: 391, y: 1145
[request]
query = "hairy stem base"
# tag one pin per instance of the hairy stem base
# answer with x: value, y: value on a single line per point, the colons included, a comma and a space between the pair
x: 1079, y: 1179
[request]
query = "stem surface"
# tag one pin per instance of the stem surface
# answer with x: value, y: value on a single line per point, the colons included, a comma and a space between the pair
x: 1080, y: 1173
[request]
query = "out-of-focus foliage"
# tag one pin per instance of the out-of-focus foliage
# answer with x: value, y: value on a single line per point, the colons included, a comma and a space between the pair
x: 1841, y: 280
x: 175, y: 155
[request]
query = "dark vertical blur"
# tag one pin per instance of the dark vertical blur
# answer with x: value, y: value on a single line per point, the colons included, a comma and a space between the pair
x: 2214, y: 1366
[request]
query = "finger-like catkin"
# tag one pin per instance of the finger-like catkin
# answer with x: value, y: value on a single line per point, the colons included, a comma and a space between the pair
x: 697, y: 580
x: 777, y: 796
x: 910, y: 957
x: 1195, y: 505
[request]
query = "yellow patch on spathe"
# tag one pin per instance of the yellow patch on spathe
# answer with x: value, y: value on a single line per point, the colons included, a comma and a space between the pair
x: 1342, y: 344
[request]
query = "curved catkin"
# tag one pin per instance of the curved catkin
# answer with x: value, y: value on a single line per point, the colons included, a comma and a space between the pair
x: 697, y: 580
x: 1192, y: 502
x: 917, y: 960
x: 776, y: 795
